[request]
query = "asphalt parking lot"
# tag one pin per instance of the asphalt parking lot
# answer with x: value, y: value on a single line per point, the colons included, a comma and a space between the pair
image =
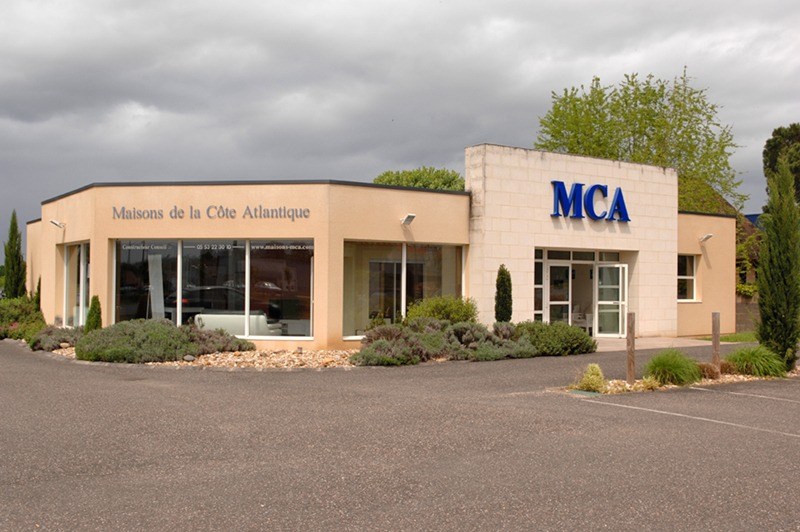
x: 440, y: 446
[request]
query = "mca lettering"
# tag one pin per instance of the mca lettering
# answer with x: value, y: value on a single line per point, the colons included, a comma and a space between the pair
x: 574, y: 203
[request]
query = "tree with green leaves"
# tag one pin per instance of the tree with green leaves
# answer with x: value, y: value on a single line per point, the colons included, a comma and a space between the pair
x: 779, y: 268
x: 649, y: 121
x: 94, y: 319
x: 785, y: 141
x: 14, y: 264
x: 502, y: 295
x: 423, y: 177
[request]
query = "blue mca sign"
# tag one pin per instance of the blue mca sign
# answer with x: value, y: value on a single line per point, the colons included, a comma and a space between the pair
x: 579, y: 202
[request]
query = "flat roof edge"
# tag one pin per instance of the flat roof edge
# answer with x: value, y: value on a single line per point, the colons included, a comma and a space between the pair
x: 567, y: 154
x: 708, y: 214
x: 29, y: 222
x: 246, y: 183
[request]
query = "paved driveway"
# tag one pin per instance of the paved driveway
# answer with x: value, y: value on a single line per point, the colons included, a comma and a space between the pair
x: 447, y: 446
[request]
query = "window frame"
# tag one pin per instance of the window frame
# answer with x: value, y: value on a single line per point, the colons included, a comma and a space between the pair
x: 692, y: 278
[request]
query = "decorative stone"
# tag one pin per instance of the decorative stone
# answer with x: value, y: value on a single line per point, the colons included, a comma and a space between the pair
x: 64, y: 345
x: 188, y: 358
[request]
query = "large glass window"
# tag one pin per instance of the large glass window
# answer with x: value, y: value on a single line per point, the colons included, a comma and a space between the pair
x: 213, y: 290
x: 213, y: 284
x: 147, y: 273
x: 281, y: 276
x: 76, y: 297
x: 375, y: 286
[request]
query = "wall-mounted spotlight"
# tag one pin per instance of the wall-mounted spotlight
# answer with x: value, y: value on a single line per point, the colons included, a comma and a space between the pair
x: 705, y: 237
x: 408, y: 218
x: 60, y: 225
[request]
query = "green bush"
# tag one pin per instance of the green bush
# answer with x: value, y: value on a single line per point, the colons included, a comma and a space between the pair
x: 382, y: 352
x: 20, y: 318
x: 505, y: 330
x: 758, y: 361
x: 469, y: 334
x: 502, y: 296
x: 50, y: 338
x: 522, y: 348
x: 94, y: 319
x: 487, y: 351
x: 556, y: 339
x: 138, y: 341
x: 452, y: 309
x: 206, y: 341
x: 592, y: 380
x: 673, y: 367
x: 709, y: 371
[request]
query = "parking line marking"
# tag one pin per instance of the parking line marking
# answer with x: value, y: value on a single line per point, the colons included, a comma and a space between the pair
x: 696, y: 418
x: 747, y: 395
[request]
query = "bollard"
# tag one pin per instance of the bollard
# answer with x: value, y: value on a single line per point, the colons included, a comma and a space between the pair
x: 715, y: 339
x: 631, y: 344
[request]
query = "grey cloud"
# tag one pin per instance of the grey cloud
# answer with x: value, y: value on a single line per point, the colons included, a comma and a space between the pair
x: 134, y: 90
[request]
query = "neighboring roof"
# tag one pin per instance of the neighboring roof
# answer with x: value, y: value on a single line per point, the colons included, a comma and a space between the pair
x: 753, y: 219
x: 249, y: 183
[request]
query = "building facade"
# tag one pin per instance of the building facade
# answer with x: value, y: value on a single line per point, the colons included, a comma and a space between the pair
x: 311, y: 264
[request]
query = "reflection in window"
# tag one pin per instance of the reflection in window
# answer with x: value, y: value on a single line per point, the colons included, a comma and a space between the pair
x: 280, y: 288
x: 373, y: 280
x: 146, y: 275
x: 77, y: 275
x: 213, y: 284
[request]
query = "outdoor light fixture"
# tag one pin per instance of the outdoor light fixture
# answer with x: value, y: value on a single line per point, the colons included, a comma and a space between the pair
x: 408, y: 219
x: 60, y: 225
x: 705, y: 237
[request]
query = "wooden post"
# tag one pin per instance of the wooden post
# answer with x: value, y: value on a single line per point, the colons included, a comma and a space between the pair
x: 631, y: 343
x: 715, y: 338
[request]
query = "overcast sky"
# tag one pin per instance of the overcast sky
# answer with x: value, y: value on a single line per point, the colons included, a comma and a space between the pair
x: 149, y: 90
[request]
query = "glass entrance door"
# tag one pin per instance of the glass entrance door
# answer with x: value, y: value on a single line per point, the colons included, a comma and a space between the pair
x: 612, y: 299
x: 560, y: 289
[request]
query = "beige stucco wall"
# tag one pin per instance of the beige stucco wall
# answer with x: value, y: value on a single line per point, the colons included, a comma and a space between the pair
x: 512, y: 202
x: 338, y: 212
x: 32, y: 262
x: 716, y: 273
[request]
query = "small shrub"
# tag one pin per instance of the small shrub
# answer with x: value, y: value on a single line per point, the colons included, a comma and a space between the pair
x: 205, y: 341
x: 709, y: 371
x: 384, y: 353
x: 138, y: 341
x: 726, y: 368
x: 487, y: 351
x: 452, y: 309
x: 592, y: 380
x: 394, y: 332
x: 556, y: 339
x: 502, y: 295
x: 376, y: 321
x: 647, y: 384
x: 50, y: 338
x: 427, y: 324
x: 522, y: 348
x: 758, y: 361
x: 468, y: 334
x: 505, y: 330
x: 20, y: 318
x: 94, y: 319
x: 673, y: 367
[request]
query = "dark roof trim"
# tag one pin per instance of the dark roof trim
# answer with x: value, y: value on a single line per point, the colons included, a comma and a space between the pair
x: 249, y: 183
x: 708, y: 214
x: 37, y: 220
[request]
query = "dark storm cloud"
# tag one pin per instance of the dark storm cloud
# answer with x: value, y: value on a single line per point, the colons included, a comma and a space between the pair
x: 133, y: 90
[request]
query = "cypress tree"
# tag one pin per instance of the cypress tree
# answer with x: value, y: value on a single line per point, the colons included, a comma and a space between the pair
x: 779, y: 268
x: 502, y: 295
x: 15, y: 264
x: 94, y: 318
